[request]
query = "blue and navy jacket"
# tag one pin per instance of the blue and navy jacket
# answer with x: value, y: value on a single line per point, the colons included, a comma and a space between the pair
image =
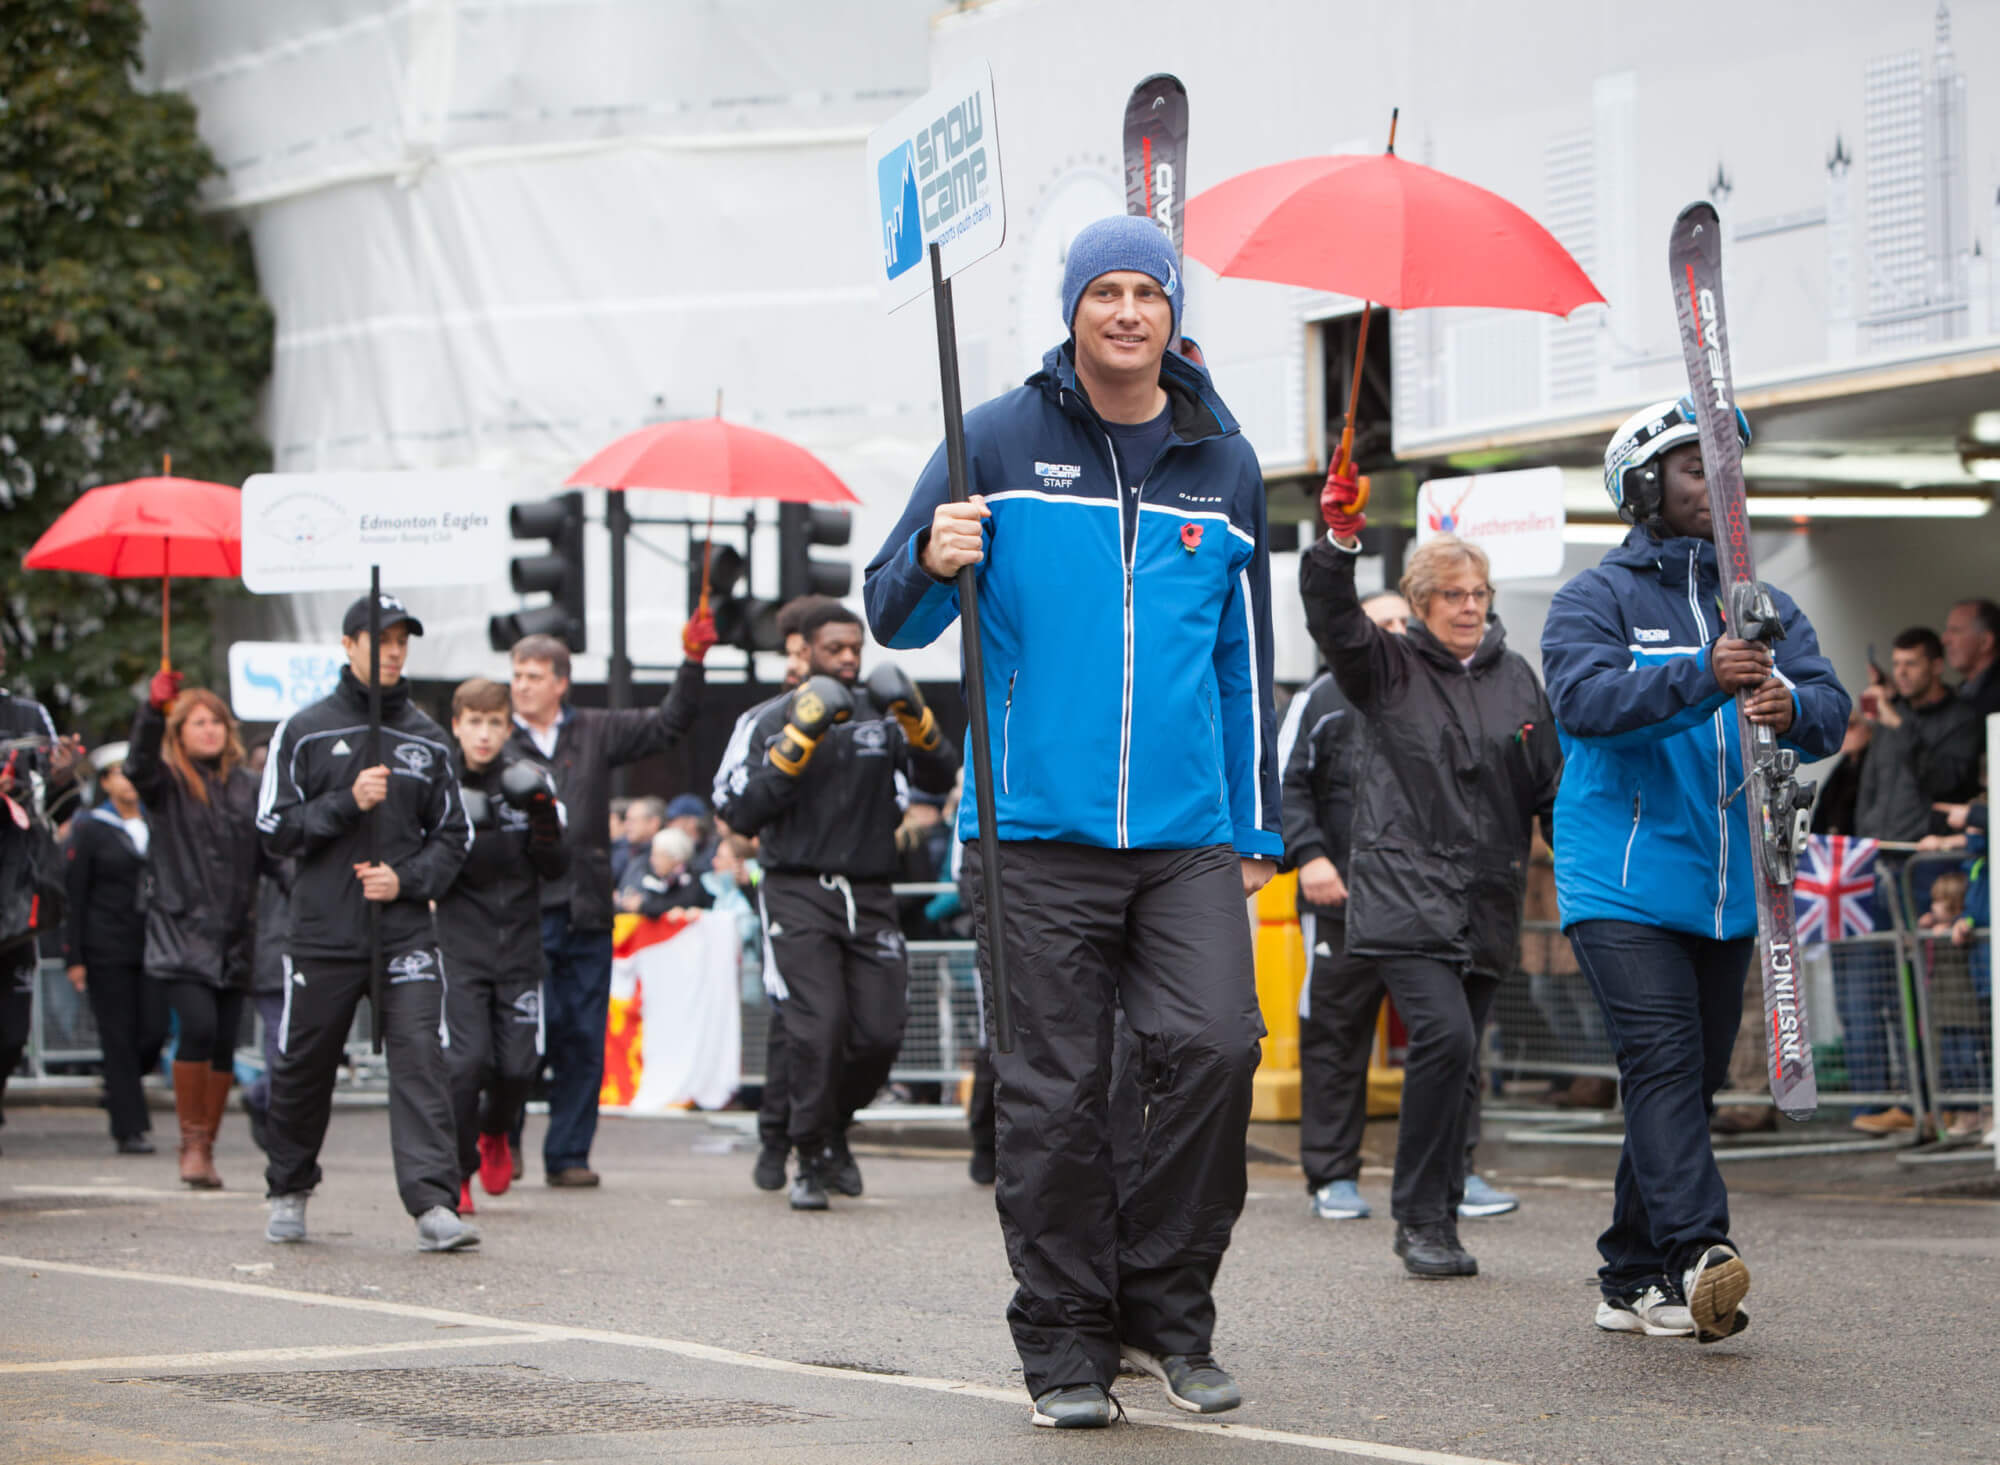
x: 1649, y: 832
x: 1128, y: 665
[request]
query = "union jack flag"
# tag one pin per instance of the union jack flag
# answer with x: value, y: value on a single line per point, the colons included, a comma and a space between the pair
x: 1834, y: 894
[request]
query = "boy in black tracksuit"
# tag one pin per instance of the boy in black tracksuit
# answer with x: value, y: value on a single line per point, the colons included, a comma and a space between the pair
x: 319, y: 787
x: 489, y: 928
x: 818, y: 783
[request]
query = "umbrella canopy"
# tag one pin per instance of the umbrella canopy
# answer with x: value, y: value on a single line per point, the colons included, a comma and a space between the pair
x: 145, y: 529
x: 721, y: 459
x: 1383, y: 230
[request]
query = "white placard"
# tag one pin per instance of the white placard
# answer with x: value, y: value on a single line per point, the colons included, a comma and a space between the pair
x: 1517, y: 518
x: 270, y: 680
x: 322, y: 531
x: 934, y: 178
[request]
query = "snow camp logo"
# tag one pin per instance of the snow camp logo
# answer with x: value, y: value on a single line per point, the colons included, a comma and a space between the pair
x: 935, y: 185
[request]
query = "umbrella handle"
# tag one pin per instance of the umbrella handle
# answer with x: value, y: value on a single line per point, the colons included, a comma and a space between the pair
x: 166, y: 621
x: 708, y: 541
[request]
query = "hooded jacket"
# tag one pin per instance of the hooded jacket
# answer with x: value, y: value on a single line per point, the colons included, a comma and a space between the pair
x: 201, y: 900
x: 1452, y: 764
x: 307, y: 810
x: 1651, y: 833
x: 1127, y: 642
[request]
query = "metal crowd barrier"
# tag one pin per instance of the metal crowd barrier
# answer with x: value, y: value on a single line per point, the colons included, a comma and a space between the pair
x: 1950, y: 996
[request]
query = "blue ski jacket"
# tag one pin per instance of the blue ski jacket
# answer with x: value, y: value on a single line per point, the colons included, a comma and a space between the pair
x: 1127, y: 647
x: 1649, y: 831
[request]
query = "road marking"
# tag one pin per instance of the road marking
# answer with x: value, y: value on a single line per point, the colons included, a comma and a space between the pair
x: 264, y: 1355
x: 708, y: 1353
x: 131, y: 1192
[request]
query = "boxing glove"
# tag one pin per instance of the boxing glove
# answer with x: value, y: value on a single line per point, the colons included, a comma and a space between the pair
x: 890, y: 687
x: 813, y: 708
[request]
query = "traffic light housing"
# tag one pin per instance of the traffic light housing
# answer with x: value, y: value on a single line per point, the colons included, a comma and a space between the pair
x: 741, y: 619
x: 802, y: 527
x: 559, y: 573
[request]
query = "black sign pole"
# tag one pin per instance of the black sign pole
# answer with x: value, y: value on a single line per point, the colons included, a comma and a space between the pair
x: 975, y: 666
x: 376, y: 985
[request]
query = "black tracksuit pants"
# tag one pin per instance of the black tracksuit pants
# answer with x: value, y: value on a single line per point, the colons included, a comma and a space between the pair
x: 496, y: 1045
x: 130, y: 1009
x: 1163, y: 935
x: 321, y: 994
x: 1444, y: 1009
x: 845, y: 978
x: 774, y: 1110
x: 1337, y: 1011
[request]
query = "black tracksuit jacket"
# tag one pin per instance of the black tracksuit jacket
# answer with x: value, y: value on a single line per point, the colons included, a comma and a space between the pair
x: 840, y: 816
x: 490, y: 922
x: 590, y: 742
x: 1454, y: 763
x: 308, y: 810
x: 201, y: 903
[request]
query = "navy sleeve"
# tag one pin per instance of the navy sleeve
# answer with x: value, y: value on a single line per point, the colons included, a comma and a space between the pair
x: 1597, y: 688
x: 1820, y: 704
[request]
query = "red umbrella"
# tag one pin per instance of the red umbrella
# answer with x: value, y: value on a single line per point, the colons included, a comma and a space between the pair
x: 1382, y: 230
x: 163, y: 526
x: 706, y: 455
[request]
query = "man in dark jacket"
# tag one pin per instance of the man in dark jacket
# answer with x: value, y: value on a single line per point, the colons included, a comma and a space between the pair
x: 1972, y: 646
x: 489, y: 932
x: 1654, y: 870
x: 819, y: 781
x: 1117, y: 527
x: 1926, y: 747
x: 579, y: 746
x: 322, y: 786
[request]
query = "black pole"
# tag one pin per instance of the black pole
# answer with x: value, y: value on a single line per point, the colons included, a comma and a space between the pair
x: 618, y: 682
x: 375, y: 982
x: 975, y: 664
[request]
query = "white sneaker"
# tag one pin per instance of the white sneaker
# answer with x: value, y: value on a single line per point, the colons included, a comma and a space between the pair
x: 1715, y: 1287
x: 440, y: 1229
x: 288, y: 1217
x: 1649, y: 1311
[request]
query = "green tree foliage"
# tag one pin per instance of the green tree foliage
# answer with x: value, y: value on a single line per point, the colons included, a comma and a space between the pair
x: 130, y: 327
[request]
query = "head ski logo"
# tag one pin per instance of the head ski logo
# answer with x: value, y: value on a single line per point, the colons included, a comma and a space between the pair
x: 1708, y: 335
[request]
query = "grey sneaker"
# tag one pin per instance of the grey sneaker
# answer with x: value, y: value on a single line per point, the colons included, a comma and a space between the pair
x: 439, y: 1229
x: 1078, y: 1406
x: 1715, y: 1287
x: 1195, y: 1382
x: 1339, y: 1200
x: 288, y: 1217
x: 1648, y: 1310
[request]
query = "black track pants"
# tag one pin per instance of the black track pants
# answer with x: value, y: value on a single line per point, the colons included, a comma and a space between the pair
x: 18, y: 972
x: 1444, y: 1009
x: 774, y: 1111
x: 496, y: 1045
x: 845, y: 984
x: 131, y: 1013
x: 1098, y: 1259
x: 321, y: 994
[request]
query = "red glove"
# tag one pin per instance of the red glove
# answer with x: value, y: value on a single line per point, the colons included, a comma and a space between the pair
x: 698, y: 635
x: 1341, y: 501
x: 161, y: 691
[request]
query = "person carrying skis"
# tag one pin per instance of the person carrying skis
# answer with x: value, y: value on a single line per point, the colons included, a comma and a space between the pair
x: 1654, y: 868
x: 1117, y: 527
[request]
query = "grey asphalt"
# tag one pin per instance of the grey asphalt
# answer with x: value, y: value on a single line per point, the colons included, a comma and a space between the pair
x: 679, y: 1313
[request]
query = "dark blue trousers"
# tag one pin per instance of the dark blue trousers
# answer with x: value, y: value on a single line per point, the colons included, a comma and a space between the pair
x: 576, y: 1000
x: 1672, y: 1003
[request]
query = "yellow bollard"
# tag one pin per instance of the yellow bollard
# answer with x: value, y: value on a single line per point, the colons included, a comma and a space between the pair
x: 1281, y: 970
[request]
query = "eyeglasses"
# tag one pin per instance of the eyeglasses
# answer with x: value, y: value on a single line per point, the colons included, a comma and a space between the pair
x: 1483, y: 596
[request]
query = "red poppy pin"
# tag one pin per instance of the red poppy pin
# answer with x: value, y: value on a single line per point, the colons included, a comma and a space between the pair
x: 1190, y: 537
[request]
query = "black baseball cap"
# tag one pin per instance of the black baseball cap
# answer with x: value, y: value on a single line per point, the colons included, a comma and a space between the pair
x: 394, y: 612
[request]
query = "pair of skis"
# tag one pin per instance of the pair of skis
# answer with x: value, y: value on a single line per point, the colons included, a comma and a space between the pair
x: 1780, y: 807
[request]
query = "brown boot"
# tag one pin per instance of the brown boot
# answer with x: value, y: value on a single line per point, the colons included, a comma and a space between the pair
x: 197, y: 1139
x: 1743, y: 1119
x: 219, y: 1085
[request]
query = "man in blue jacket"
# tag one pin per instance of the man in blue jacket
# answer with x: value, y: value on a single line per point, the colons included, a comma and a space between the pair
x: 1654, y: 864
x: 1117, y: 527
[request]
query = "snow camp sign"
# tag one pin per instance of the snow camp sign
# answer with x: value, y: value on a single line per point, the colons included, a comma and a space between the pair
x: 934, y: 169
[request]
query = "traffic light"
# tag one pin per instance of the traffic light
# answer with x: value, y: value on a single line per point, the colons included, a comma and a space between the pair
x: 559, y: 520
x: 800, y: 528
x: 741, y: 619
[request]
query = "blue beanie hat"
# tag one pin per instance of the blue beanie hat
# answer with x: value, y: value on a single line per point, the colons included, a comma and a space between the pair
x: 1125, y: 242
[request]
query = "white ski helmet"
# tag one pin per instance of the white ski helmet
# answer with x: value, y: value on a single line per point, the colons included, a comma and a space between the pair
x: 1629, y: 477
